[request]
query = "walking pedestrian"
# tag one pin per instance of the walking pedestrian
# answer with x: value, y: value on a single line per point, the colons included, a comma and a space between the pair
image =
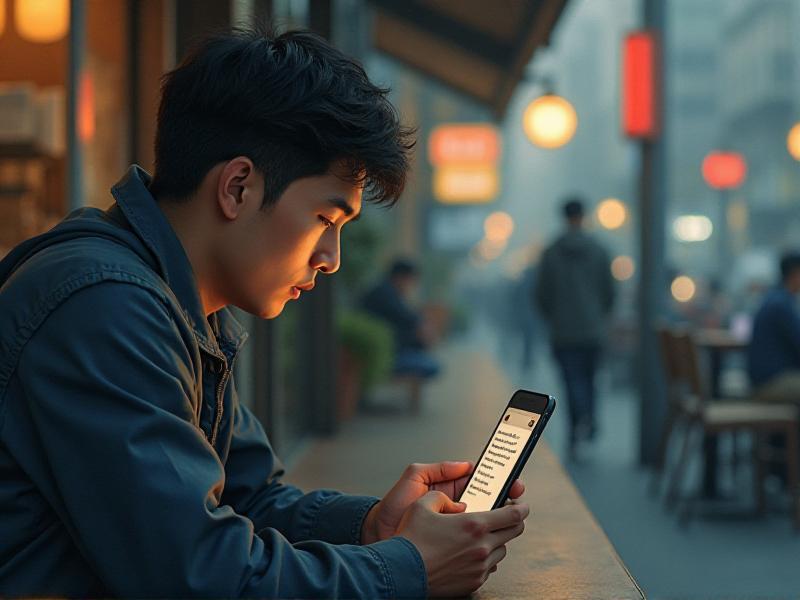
x: 575, y: 293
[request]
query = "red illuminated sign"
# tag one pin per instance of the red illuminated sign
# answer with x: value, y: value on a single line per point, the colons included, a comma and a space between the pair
x: 464, y: 144
x: 640, y: 107
x: 724, y: 170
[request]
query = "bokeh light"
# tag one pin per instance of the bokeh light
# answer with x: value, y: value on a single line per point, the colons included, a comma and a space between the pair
x: 622, y: 268
x: 724, y: 170
x: 41, y: 21
x: 738, y: 216
x: 692, y: 228
x: 487, y: 250
x: 683, y: 288
x: 611, y: 213
x: 498, y: 226
x: 550, y: 121
x: 793, y: 141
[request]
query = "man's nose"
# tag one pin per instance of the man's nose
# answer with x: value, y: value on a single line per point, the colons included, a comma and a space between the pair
x: 327, y: 258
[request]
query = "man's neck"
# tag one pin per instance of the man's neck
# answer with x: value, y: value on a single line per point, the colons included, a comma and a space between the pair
x: 192, y: 235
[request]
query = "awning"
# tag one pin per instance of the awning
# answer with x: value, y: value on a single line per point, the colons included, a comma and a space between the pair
x: 478, y: 47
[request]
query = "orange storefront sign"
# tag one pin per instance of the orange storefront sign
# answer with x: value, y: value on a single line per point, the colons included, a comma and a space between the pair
x: 465, y: 157
x: 466, y: 184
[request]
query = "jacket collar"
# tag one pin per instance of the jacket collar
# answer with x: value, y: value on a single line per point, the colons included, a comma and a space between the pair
x: 152, y: 227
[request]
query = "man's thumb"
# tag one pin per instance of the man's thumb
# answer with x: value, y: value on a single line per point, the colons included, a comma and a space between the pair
x: 441, y: 503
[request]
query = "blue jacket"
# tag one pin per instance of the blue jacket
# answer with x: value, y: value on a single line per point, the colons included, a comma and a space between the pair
x: 775, y: 341
x: 127, y: 465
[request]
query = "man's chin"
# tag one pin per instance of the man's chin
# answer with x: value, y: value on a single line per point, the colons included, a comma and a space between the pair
x: 272, y: 310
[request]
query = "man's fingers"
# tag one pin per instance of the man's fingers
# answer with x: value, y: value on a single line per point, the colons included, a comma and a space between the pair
x: 442, y: 471
x: 517, y: 489
x: 496, y: 556
x: 506, y: 516
x: 503, y: 536
x: 454, y: 488
x: 441, y: 503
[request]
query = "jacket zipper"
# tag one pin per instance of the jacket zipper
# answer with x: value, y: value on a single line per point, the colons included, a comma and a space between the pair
x: 218, y: 417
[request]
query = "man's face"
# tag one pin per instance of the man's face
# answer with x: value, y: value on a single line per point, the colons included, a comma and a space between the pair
x: 273, y: 255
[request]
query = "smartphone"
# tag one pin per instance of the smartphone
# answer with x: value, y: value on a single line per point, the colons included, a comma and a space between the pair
x: 507, y: 451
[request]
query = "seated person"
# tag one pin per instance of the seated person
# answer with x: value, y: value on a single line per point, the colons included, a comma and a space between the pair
x: 412, y: 334
x: 774, y: 351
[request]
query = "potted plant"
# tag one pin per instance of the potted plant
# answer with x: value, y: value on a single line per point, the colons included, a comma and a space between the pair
x: 366, y: 354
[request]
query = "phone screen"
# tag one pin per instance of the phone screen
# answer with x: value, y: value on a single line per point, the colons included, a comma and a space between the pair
x: 498, y: 460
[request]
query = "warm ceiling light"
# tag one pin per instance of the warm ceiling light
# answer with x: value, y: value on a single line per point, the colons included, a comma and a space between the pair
x: 550, y: 121
x: 2, y: 16
x: 42, y: 21
x: 611, y: 213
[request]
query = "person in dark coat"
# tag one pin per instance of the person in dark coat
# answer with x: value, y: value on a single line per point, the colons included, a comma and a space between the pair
x: 575, y: 293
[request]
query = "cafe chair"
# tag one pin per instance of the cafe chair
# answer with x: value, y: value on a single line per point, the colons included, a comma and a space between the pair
x: 681, y: 407
x: 708, y: 416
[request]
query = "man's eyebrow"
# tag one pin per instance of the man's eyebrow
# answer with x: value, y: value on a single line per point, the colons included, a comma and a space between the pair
x: 342, y: 205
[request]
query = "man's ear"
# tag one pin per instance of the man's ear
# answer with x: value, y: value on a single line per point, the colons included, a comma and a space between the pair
x: 235, y: 186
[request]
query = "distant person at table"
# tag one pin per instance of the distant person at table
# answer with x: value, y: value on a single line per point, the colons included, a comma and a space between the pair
x: 774, y: 351
x: 389, y: 301
x: 574, y: 293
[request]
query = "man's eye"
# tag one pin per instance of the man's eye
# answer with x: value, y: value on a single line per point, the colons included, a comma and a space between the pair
x: 327, y: 222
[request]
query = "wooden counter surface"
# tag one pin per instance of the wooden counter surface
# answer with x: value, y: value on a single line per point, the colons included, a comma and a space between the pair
x: 563, y: 553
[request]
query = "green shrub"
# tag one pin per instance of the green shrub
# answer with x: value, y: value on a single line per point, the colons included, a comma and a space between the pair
x: 369, y: 341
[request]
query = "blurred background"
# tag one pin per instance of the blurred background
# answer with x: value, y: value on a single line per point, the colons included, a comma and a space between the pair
x: 676, y: 124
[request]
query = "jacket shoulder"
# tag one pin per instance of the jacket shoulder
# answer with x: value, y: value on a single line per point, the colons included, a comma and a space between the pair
x: 49, y: 277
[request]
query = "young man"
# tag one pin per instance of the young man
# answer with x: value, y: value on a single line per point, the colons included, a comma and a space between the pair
x: 127, y: 465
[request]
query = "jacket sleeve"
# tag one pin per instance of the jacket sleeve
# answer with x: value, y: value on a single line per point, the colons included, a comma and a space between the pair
x: 109, y: 384
x: 253, y: 488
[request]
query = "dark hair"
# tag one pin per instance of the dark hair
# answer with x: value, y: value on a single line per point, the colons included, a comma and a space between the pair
x: 573, y: 208
x: 790, y: 262
x: 402, y: 268
x: 291, y: 103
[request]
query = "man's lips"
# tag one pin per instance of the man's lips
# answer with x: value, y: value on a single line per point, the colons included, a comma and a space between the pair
x: 306, y: 287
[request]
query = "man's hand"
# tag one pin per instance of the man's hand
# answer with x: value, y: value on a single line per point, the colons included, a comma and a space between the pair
x: 450, y: 478
x: 460, y: 551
